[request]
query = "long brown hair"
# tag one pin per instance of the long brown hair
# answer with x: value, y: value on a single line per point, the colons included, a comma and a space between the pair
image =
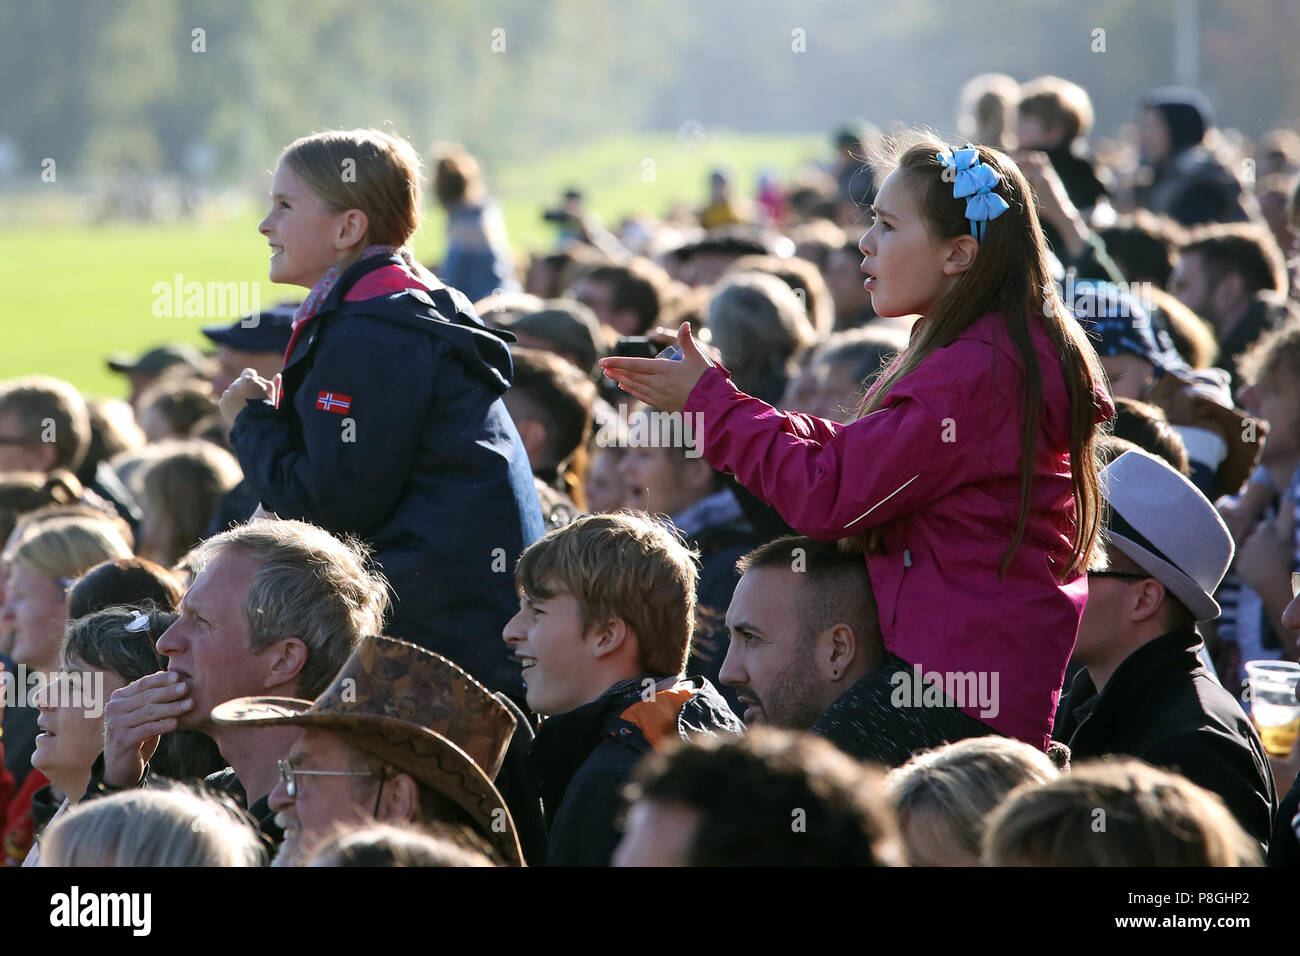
x: 1010, y: 274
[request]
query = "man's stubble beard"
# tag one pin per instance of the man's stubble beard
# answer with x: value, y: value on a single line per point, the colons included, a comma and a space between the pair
x: 793, y: 703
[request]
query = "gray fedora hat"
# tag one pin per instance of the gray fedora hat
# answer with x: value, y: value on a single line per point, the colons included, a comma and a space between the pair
x: 1162, y: 522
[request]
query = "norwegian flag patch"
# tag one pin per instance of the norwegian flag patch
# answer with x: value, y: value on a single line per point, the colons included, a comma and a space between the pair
x: 334, y: 402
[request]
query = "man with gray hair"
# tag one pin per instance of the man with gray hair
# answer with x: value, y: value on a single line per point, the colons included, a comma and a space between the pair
x: 275, y: 609
x: 1144, y: 692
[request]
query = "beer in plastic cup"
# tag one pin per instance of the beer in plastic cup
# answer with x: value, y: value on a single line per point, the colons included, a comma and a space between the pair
x: 1274, y: 706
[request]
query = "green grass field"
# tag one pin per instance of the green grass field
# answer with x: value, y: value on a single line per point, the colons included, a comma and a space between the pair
x: 76, y: 293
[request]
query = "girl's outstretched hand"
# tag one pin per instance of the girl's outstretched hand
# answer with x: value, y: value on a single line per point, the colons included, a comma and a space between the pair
x: 662, y: 383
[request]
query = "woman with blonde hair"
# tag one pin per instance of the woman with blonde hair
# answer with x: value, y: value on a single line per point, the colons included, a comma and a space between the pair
x: 21, y: 492
x: 1116, y: 813
x: 944, y: 797
x: 176, y: 826
x: 43, y: 562
x: 387, y: 421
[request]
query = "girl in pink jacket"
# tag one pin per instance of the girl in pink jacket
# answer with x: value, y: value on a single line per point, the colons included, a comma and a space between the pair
x: 969, y: 476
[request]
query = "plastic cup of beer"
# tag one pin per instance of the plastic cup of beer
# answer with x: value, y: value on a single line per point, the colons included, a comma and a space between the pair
x: 1274, y: 706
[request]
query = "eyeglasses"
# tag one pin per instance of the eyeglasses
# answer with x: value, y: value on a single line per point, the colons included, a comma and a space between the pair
x: 1116, y: 574
x: 289, y: 775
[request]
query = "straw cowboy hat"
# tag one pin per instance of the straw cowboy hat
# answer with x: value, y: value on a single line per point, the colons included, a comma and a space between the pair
x: 416, y: 710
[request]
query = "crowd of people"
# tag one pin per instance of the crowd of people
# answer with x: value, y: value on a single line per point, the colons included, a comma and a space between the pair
x: 679, y: 543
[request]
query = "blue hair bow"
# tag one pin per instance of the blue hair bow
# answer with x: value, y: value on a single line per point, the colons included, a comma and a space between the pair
x: 974, y: 182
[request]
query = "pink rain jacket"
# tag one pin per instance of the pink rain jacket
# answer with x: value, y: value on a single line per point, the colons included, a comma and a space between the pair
x: 937, y: 470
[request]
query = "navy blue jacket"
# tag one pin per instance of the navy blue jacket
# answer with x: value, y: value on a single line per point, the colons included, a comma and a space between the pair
x: 581, y: 759
x: 391, y: 428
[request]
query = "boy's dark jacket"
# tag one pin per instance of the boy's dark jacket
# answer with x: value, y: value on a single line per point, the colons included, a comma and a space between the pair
x: 391, y: 427
x: 583, y: 758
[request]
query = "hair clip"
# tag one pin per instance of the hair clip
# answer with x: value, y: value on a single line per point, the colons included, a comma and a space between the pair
x: 974, y: 182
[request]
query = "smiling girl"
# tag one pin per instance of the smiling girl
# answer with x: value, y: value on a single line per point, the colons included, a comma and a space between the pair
x: 970, y: 466
x: 386, y: 422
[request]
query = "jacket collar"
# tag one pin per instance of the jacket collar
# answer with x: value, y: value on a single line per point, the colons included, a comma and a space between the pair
x: 304, y: 333
x: 1150, y: 664
x: 580, y: 729
x: 353, y: 274
x: 441, y: 311
x: 679, y: 707
x: 565, y: 741
x: 1189, y: 158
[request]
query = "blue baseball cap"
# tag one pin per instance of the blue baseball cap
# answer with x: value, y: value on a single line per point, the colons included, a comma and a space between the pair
x: 266, y: 331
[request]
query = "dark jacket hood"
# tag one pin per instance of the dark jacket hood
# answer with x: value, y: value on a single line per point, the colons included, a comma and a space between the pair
x: 1186, y: 112
x: 440, y: 311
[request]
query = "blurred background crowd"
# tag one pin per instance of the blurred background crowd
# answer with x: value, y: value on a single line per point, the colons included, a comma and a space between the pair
x: 1174, y: 236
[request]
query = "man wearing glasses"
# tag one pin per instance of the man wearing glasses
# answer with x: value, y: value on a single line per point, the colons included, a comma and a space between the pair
x: 1143, y: 691
x: 401, y: 736
x: 45, y: 426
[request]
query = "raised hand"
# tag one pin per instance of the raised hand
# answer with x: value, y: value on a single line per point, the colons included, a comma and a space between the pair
x: 662, y: 383
x: 134, y: 718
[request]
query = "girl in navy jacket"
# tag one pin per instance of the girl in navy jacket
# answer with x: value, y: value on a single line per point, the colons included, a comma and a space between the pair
x: 387, y: 421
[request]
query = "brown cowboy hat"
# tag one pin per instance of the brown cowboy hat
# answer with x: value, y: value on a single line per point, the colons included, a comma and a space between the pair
x: 416, y: 710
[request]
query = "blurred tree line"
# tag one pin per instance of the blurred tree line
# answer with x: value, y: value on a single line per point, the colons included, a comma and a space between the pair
x: 214, y: 88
